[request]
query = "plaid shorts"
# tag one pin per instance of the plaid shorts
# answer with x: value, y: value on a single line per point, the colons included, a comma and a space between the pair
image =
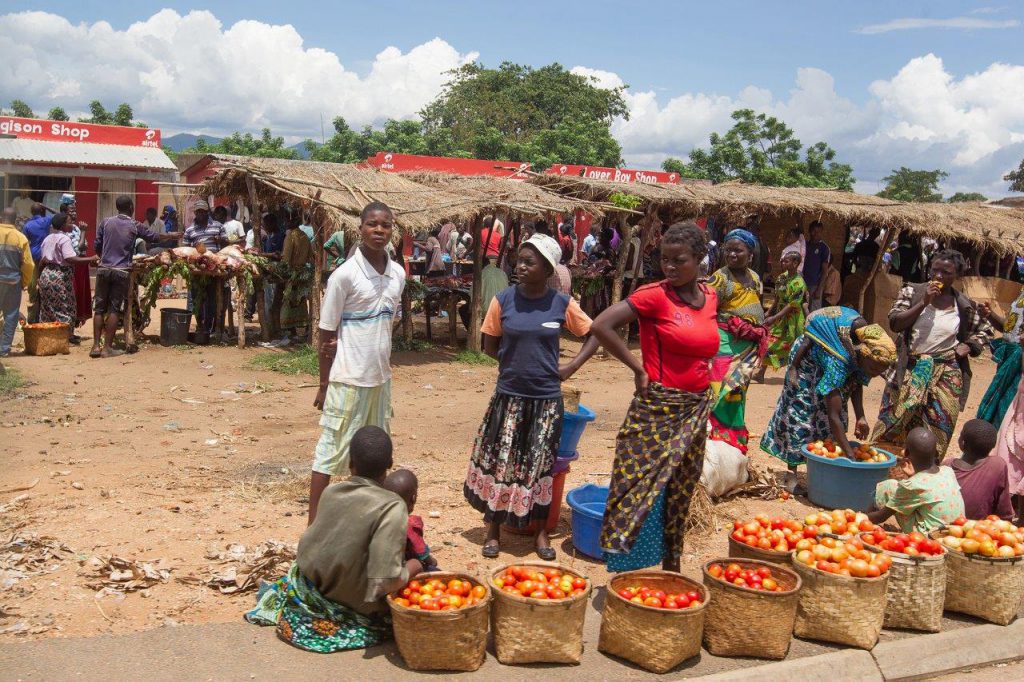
x: 346, y: 410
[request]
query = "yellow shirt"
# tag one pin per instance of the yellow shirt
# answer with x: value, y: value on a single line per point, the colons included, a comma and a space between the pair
x: 15, y: 256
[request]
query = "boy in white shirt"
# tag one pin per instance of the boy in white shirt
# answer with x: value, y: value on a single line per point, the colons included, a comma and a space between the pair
x: 362, y: 298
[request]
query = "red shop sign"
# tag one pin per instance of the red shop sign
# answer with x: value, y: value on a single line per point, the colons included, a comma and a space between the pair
x: 389, y: 161
x: 614, y: 174
x: 69, y: 131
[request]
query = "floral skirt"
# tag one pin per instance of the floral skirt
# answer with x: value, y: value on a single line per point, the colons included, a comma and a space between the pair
x: 509, y: 478
x: 307, y: 620
x: 57, y: 294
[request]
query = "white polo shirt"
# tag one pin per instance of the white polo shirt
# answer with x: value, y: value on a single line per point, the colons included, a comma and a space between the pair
x: 360, y: 304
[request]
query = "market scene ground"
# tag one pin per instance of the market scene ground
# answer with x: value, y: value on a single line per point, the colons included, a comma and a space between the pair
x: 185, y: 462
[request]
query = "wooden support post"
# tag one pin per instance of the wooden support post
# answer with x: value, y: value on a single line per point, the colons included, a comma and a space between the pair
x: 218, y: 320
x: 453, y: 312
x: 318, y: 274
x: 129, y: 319
x: 240, y: 309
x: 473, y: 340
x: 890, y: 236
x: 620, y: 267
x: 261, y: 301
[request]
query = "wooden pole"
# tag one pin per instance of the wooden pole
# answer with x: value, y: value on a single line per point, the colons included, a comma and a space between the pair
x: 218, y: 324
x: 318, y: 277
x: 129, y: 321
x: 257, y: 240
x: 620, y: 267
x: 890, y: 236
x: 240, y: 309
x: 473, y: 342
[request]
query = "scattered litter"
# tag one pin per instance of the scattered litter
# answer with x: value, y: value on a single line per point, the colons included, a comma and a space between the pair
x: 268, y: 560
x: 435, y: 515
x: 192, y: 401
x: 77, y: 485
x: 14, y: 503
x: 172, y: 426
x: 119, y: 575
x: 211, y: 441
x: 28, y: 554
x: 428, y: 387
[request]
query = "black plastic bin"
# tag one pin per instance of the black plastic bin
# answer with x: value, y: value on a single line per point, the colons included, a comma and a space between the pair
x: 174, y: 324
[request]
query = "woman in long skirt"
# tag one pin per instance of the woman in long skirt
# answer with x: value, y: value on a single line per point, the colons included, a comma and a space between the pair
x: 1006, y: 353
x: 55, y: 285
x: 659, y: 452
x: 510, y: 472
x: 80, y: 272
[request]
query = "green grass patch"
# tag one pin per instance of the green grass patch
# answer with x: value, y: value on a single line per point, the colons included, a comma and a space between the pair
x: 471, y: 357
x: 399, y: 345
x: 302, y: 360
x: 10, y: 381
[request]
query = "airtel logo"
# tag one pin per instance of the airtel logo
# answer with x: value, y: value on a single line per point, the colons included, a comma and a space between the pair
x: 562, y: 170
x: 150, y: 134
x: 672, y: 177
x: 388, y: 157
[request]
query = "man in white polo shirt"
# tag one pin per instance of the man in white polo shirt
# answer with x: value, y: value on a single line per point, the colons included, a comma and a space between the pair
x: 361, y: 300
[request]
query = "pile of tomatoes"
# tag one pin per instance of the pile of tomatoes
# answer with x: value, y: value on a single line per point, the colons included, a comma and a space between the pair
x: 838, y: 521
x: 775, y: 533
x: 438, y: 595
x: 44, y: 325
x: 760, y: 578
x: 843, y: 557
x: 911, y: 544
x: 861, y: 453
x: 991, y: 537
x: 539, y: 583
x: 659, y: 599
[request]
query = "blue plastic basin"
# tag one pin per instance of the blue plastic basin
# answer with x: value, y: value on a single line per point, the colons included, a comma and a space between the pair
x: 587, y: 504
x: 573, y: 425
x: 841, y: 483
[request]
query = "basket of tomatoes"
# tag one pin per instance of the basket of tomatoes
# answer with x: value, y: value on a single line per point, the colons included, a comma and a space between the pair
x: 538, y: 613
x: 765, y: 538
x: 984, y: 568
x: 653, y: 618
x: 752, y: 608
x: 46, y: 338
x: 441, y: 607
x: 843, y: 595
x: 917, y: 579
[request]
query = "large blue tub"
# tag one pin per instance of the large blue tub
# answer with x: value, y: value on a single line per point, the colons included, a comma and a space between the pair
x: 841, y: 483
x: 587, y: 504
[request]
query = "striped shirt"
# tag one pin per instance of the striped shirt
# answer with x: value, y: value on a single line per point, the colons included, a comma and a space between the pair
x: 207, y: 235
x: 359, y: 305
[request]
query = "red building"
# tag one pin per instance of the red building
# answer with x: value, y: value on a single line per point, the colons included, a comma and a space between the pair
x: 96, y: 163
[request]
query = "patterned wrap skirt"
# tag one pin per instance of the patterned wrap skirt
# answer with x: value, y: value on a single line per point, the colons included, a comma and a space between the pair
x: 57, y: 294
x: 659, y: 455
x: 509, y: 478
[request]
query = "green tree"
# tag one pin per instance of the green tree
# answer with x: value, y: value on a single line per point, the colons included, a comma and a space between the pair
x: 498, y: 113
x: 264, y: 146
x: 967, y: 196
x: 763, y: 150
x: 1016, y: 178
x: 58, y: 114
x: 122, y: 116
x: 905, y: 184
x: 21, y: 110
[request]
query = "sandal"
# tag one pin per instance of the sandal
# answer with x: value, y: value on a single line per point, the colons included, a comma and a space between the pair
x: 491, y: 551
x: 546, y: 553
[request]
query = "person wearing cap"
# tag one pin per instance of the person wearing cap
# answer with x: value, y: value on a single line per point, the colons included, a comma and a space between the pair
x: 170, y: 218
x: 211, y: 235
x: 510, y: 473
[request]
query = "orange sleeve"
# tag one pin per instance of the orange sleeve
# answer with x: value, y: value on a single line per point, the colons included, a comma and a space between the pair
x: 492, y: 320
x: 577, y: 321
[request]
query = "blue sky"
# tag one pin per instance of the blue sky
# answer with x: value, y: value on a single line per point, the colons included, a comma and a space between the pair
x: 686, y: 63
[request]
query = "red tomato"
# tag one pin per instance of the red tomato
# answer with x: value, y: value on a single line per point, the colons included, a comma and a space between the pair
x: 683, y: 601
x: 693, y: 595
x: 653, y: 601
x: 579, y: 583
x: 764, y: 572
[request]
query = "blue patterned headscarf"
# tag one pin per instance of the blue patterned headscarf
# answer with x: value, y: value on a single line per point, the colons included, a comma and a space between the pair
x: 744, y: 236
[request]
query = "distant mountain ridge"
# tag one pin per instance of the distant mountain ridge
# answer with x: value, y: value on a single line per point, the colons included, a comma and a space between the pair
x: 182, y: 141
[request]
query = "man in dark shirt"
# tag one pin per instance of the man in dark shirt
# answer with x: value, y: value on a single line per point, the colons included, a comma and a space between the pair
x: 759, y: 261
x: 815, y: 264
x: 866, y: 252
x: 36, y: 228
x: 115, y: 245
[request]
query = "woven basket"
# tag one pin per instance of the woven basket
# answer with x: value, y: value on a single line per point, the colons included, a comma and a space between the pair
x: 46, y: 340
x: 916, y: 591
x: 571, y: 397
x: 741, y: 550
x: 537, y: 631
x: 442, y: 640
x: 991, y: 589
x: 744, y: 622
x: 655, y: 639
x: 840, y: 609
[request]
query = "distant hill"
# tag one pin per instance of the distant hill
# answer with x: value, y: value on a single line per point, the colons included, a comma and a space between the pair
x: 183, y: 141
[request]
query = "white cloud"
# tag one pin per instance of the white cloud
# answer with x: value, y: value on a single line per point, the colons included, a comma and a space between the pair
x: 191, y: 72
x: 962, y: 23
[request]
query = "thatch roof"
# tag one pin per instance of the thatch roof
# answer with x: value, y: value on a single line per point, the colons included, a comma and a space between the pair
x: 998, y: 228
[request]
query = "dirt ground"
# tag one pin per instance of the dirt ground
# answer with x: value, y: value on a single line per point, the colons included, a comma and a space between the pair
x: 170, y: 456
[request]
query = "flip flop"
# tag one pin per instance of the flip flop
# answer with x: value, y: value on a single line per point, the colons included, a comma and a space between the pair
x: 546, y: 553
x: 95, y: 353
x: 491, y: 551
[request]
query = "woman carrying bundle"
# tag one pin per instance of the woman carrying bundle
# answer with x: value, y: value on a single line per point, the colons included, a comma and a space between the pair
x: 939, y: 330
x: 829, y: 365
x: 742, y: 335
x: 659, y: 451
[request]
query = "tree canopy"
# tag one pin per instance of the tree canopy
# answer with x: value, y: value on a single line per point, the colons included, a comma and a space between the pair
x: 122, y: 116
x: 905, y: 184
x: 763, y: 150
x: 967, y: 196
x: 1016, y: 178
x: 21, y: 110
x: 264, y: 146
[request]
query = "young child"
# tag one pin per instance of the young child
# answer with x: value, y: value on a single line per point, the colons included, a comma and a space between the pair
x: 403, y: 483
x: 927, y: 500
x: 983, y: 480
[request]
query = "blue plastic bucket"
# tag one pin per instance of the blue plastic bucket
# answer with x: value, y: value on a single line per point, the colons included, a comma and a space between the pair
x: 573, y: 425
x: 841, y: 483
x: 587, y: 504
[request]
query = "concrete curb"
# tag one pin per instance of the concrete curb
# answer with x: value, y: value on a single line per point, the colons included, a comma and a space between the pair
x: 900, y: 660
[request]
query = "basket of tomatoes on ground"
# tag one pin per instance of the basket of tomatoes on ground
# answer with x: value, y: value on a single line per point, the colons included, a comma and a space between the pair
x: 765, y: 538
x: 752, y: 607
x: 862, y: 452
x: 538, y: 613
x: 917, y: 586
x: 46, y: 338
x: 441, y: 607
x: 984, y: 568
x: 653, y: 618
x: 843, y: 595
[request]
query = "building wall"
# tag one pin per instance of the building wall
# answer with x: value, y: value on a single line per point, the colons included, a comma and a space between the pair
x: 146, y: 196
x: 87, y: 199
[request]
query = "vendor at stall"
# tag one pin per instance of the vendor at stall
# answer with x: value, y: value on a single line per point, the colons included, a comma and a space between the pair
x: 56, y: 274
x: 297, y: 257
x: 939, y: 329
x: 210, y: 234
x: 829, y: 365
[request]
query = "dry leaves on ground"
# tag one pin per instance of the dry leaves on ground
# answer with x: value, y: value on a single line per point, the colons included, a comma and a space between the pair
x: 117, y: 574
x: 242, y: 569
x: 28, y: 554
